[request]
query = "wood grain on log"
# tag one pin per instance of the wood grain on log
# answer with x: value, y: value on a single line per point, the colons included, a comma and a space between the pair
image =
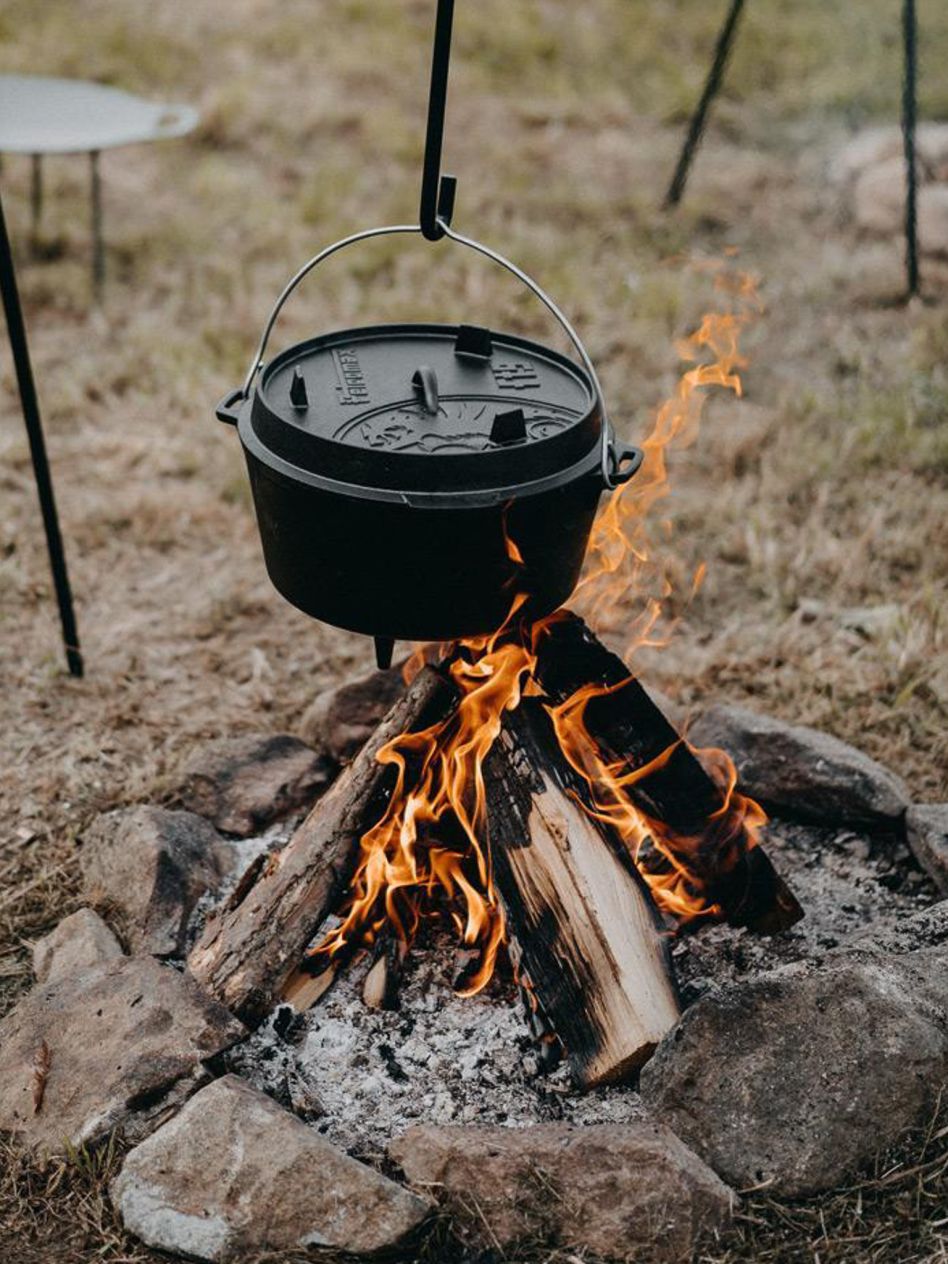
x: 631, y: 730
x: 252, y: 947
x: 582, y: 928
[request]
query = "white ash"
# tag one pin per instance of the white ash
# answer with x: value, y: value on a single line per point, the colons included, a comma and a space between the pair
x: 846, y: 883
x: 241, y: 853
x: 361, y: 1075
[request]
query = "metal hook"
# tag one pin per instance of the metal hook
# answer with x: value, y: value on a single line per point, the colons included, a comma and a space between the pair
x: 437, y: 191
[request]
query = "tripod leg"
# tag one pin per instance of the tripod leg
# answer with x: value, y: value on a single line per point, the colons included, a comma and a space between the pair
x: 909, y: 116
x: 696, y: 126
x: 34, y: 430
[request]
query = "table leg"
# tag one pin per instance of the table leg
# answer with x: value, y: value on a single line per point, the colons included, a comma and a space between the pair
x: 98, y: 245
x: 36, y: 199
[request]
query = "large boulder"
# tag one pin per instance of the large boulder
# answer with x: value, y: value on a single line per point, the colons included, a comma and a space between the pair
x: 626, y: 1191
x: 115, y: 1046
x: 154, y: 865
x: 243, y: 784
x: 926, y: 828
x: 234, y: 1173
x: 80, y: 941
x: 800, y: 771
x: 796, y: 1078
x: 340, y: 720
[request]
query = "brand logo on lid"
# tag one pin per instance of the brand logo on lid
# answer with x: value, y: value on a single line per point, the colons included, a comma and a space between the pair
x: 350, y: 387
x: 514, y: 375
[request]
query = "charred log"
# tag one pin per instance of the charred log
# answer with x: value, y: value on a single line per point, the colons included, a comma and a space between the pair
x: 677, y: 792
x: 251, y: 949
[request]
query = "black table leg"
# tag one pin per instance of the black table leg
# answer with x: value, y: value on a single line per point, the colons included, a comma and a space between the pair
x: 98, y: 245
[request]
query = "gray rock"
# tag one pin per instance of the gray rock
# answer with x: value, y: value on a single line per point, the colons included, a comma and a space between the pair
x: 340, y: 720
x: 124, y: 1042
x: 243, y: 784
x: 797, y: 1078
x: 800, y: 771
x: 627, y: 1191
x: 926, y: 829
x: 883, y: 144
x: 235, y: 1173
x: 79, y: 941
x: 153, y: 864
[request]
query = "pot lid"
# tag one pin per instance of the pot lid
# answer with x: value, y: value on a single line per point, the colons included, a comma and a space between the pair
x: 427, y: 407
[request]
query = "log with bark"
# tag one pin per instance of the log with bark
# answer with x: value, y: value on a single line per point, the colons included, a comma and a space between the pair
x: 677, y: 792
x: 582, y: 931
x: 252, y: 946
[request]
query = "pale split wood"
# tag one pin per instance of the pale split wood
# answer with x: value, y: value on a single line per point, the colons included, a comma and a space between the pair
x: 582, y: 928
x: 252, y: 948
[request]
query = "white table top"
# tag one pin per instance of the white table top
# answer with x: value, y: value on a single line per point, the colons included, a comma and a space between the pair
x: 41, y: 115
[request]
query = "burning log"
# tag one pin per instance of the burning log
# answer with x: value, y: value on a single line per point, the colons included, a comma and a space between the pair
x: 250, y: 949
x: 674, y: 791
x: 581, y: 926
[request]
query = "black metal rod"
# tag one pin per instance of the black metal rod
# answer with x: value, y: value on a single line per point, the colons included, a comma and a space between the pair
x: 34, y: 429
x: 909, y: 120
x: 437, y: 99
x: 699, y: 118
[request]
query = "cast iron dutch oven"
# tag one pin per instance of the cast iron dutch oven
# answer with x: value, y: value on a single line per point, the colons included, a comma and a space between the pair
x: 410, y: 480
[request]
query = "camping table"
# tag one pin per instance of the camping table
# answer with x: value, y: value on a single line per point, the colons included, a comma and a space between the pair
x: 40, y: 115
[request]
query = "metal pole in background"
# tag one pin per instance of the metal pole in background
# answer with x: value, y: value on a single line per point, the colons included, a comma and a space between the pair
x: 34, y: 429
x: 696, y: 127
x: 909, y: 119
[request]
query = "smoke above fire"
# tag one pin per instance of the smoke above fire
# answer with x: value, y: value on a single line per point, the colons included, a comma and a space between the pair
x: 426, y: 855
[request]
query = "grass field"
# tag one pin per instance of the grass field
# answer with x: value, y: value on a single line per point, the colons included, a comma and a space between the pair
x: 818, y: 501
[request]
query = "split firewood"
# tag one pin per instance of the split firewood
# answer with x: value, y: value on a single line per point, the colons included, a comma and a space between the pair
x: 380, y: 985
x: 582, y: 931
x: 250, y: 951
x: 677, y: 792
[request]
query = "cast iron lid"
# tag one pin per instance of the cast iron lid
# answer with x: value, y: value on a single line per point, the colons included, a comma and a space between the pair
x: 438, y: 408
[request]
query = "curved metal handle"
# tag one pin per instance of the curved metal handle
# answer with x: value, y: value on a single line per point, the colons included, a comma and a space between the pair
x: 612, y: 475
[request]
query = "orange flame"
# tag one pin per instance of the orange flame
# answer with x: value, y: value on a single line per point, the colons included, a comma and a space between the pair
x: 426, y: 851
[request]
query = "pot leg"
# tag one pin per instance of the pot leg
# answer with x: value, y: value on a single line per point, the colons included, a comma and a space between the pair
x: 384, y: 649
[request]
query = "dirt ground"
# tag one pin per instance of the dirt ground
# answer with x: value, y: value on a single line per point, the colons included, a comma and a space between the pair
x: 818, y: 501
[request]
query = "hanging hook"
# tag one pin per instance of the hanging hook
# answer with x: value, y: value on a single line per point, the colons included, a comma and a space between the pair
x: 437, y: 191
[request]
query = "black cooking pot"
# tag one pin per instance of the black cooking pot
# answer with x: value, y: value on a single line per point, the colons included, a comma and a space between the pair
x: 410, y: 480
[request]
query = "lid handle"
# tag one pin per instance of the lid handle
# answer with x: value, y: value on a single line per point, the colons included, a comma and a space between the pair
x: 425, y: 382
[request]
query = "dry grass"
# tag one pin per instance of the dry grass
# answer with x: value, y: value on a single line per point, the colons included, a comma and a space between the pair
x: 821, y: 494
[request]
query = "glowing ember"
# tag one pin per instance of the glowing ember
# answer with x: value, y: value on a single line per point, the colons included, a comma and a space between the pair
x: 425, y: 856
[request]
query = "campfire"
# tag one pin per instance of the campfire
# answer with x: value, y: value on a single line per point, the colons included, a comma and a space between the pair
x: 527, y: 792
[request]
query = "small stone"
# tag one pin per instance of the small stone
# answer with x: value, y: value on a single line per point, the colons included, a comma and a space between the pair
x: 795, y: 1079
x: 619, y: 1190
x: 234, y: 1173
x: 154, y: 865
x: 127, y: 1041
x: 879, y: 197
x: 78, y: 942
x: 882, y: 144
x: 926, y: 828
x: 340, y: 720
x: 243, y: 784
x: 933, y: 219
x: 798, y: 770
